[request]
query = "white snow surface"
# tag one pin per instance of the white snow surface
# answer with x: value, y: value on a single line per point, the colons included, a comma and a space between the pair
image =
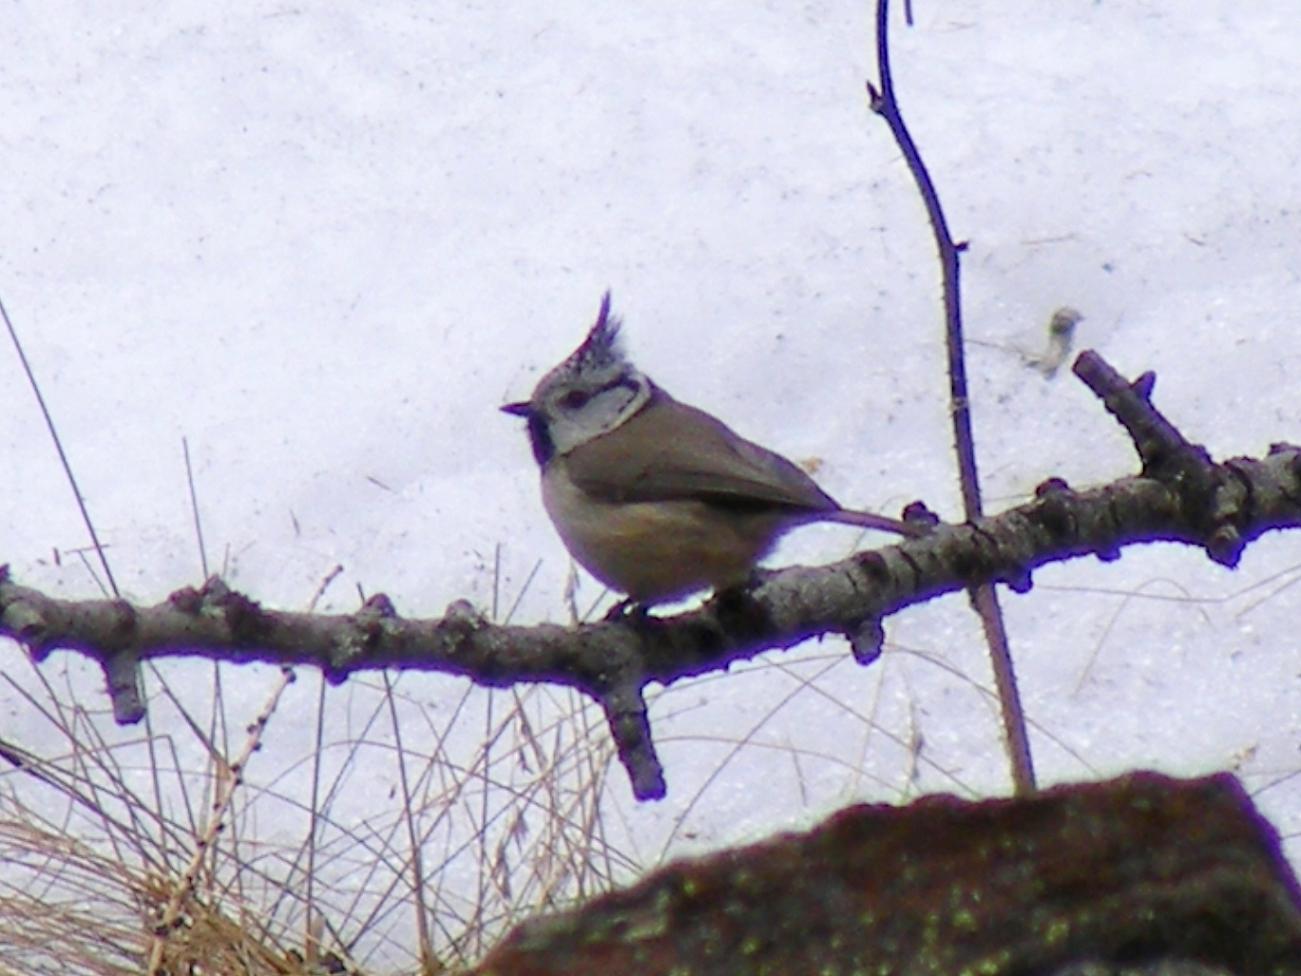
x: 324, y: 242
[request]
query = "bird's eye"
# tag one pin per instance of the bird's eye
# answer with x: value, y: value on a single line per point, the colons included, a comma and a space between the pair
x: 575, y: 400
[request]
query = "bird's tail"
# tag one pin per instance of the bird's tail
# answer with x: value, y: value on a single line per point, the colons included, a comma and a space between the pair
x: 870, y: 520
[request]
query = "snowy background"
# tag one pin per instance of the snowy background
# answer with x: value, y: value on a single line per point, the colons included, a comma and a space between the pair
x: 324, y: 242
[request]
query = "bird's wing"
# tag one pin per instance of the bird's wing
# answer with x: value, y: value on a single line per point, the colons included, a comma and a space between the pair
x: 671, y: 451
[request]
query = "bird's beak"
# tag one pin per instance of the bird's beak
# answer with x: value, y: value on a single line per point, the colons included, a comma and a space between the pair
x: 522, y: 409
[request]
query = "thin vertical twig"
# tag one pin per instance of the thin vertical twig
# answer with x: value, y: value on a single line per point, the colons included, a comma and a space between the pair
x: 428, y: 960
x: 121, y: 670
x: 194, y: 507
x: 58, y: 446
x: 984, y: 598
x: 311, y: 944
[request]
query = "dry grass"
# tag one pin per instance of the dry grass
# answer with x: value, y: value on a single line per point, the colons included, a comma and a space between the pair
x: 233, y: 843
x: 126, y: 856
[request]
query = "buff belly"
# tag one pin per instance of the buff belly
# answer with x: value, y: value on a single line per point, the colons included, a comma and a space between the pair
x: 661, y: 550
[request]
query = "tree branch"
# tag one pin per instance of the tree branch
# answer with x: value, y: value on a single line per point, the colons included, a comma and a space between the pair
x: 1191, y: 499
x: 984, y: 598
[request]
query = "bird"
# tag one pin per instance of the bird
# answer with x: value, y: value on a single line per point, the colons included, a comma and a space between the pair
x: 656, y: 498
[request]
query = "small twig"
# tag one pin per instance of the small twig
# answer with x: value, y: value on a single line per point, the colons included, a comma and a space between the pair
x: 1216, y: 499
x: 625, y: 711
x: 983, y: 597
x: 421, y: 908
x: 612, y: 662
x: 311, y: 912
x: 488, y: 740
x: 311, y: 915
x: 194, y: 507
x: 58, y: 446
x: 985, y: 600
x: 1163, y: 450
x: 121, y: 674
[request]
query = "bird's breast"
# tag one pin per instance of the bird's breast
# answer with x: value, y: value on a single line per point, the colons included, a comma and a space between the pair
x: 656, y: 550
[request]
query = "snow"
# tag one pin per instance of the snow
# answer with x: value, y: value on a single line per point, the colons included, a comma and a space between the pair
x: 323, y: 244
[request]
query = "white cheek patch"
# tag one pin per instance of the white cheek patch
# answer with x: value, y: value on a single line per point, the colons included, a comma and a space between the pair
x: 609, y: 407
